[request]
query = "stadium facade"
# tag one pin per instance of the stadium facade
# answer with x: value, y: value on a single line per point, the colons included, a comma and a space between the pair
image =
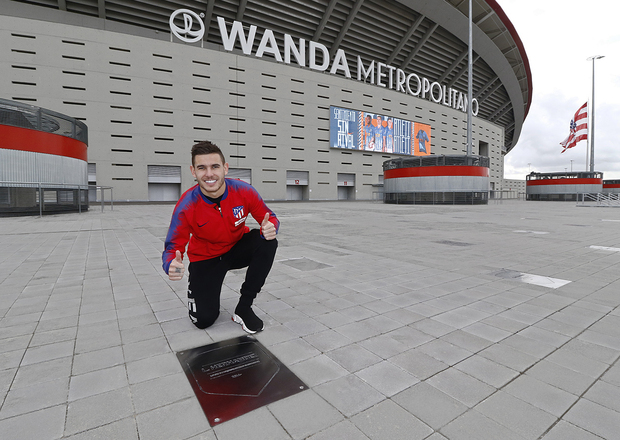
x: 267, y: 81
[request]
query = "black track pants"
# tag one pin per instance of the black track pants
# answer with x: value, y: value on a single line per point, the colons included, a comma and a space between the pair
x: 206, y: 277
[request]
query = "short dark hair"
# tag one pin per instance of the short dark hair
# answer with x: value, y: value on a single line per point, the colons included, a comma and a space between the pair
x: 206, y: 147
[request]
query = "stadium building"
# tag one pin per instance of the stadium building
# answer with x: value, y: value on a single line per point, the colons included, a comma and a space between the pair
x: 307, y: 98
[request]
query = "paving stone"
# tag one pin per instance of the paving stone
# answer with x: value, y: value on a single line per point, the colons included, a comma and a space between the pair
x: 387, y: 420
x: 87, y: 315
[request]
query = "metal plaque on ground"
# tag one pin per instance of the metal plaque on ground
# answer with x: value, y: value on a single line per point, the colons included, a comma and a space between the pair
x: 236, y: 376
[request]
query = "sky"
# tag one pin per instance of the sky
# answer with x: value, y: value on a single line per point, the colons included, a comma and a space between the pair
x: 559, y: 36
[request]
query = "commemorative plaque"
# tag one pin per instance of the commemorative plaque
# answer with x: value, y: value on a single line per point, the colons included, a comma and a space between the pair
x: 236, y: 376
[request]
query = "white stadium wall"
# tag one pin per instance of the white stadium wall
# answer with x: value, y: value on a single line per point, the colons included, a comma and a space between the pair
x: 147, y: 100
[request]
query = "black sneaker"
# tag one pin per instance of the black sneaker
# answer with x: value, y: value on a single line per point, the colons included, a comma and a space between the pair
x: 248, y: 319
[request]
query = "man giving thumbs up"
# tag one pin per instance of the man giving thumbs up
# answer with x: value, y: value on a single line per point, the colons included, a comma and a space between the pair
x: 211, y: 217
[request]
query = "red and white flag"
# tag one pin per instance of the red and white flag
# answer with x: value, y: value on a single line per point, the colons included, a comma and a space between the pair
x: 578, y: 128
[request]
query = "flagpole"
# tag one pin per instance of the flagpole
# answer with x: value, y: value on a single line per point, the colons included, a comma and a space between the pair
x: 591, y: 111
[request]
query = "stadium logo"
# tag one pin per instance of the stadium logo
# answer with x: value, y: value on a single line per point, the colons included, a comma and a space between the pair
x: 187, y: 34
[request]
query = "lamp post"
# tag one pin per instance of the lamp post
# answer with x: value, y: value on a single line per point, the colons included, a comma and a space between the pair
x: 591, y: 133
x: 469, y: 85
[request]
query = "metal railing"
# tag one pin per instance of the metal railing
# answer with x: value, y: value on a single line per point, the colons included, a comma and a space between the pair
x: 598, y: 199
x: 23, y: 198
x: 18, y: 114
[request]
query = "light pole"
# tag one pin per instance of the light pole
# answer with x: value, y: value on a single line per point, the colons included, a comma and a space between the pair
x: 571, y: 165
x: 469, y: 85
x: 591, y: 133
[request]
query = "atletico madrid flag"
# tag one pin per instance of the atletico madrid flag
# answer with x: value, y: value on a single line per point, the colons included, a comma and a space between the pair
x: 578, y: 128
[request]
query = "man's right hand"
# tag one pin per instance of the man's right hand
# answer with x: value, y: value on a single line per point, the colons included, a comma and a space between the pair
x: 176, y: 269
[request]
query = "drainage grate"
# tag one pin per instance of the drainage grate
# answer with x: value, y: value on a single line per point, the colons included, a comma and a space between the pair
x: 304, y: 264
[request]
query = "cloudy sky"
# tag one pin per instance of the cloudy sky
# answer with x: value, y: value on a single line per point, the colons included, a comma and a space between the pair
x: 559, y: 36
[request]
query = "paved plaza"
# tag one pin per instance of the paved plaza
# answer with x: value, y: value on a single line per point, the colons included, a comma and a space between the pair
x: 495, y: 322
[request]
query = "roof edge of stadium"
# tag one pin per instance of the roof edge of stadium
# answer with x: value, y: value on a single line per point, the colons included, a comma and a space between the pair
x: 519, y: 43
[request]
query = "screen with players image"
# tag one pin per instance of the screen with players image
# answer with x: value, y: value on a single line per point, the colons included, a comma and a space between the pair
x: 360, y: 130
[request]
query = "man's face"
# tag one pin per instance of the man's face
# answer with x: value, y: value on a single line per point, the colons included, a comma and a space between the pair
x: 209, y: 171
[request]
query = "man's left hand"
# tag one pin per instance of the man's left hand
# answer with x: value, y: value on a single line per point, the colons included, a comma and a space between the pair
x: 267, y: 228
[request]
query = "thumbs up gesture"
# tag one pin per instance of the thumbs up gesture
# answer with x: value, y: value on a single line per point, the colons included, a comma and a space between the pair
x: 177, y: 269
x: 267, y: 228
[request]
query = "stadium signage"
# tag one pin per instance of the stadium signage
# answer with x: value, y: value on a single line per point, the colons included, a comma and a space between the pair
x: 316, y: 56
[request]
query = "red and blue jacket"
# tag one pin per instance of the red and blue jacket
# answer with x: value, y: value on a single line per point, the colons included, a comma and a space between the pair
x: 211, y: 230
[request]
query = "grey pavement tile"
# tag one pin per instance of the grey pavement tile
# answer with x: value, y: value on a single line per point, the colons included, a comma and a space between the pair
x: 349, y: 395
x: 92, y: 412
x: 444, y: 351
x: 530, y: 346
x: 48, y: 352
x: 475, y: 426
x: 593, y: 351
x: 384, y: 345
x: 561, y: 377
x: 504, y: 323
x: 148, y: 395
x: 544, y: 336
x: 327, y: 340
x: 612, y: 375
x: 418, y: 363
x: 577, y: 362
x: 430, y: 405
x: 7, y: 378
x: 600, y: 339
x: 604, y: 394
x: 292, y: 413
x: 305, y: 327
x: 541, y: 394
x: 125, y: 429
x: 293, y: 351
x: 47, y: 423
x: 432, y: 327
x: 509, y: 357
x: 559, y: 327
x: 486, y: 331
x: 275, y: 334
x: 358, y: 331
x: 53, y: 336
x: 97, y: 360
x: 354, y: 357
x: 97, y: 382
x: 519, y: 416
x: 178, y: 420
x: 344, y: 430
x: 97, y: 336
x: 35, y: 397
x: 15, y: 343
x: 461, y: 317
x: 594, y: 418
x: 317, y: 370
x: 189, y: 339
x: 463, y: 387
x: 387, y: 378
x: 466, y: 341
x: 388, y: 420
x: 259, y: 424
x: 147, y: 348
x: 152, y: 368
x: 487, y: 371
x: 567, y: 431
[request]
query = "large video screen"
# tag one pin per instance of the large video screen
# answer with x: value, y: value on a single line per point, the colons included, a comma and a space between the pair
x: 359, y: 130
